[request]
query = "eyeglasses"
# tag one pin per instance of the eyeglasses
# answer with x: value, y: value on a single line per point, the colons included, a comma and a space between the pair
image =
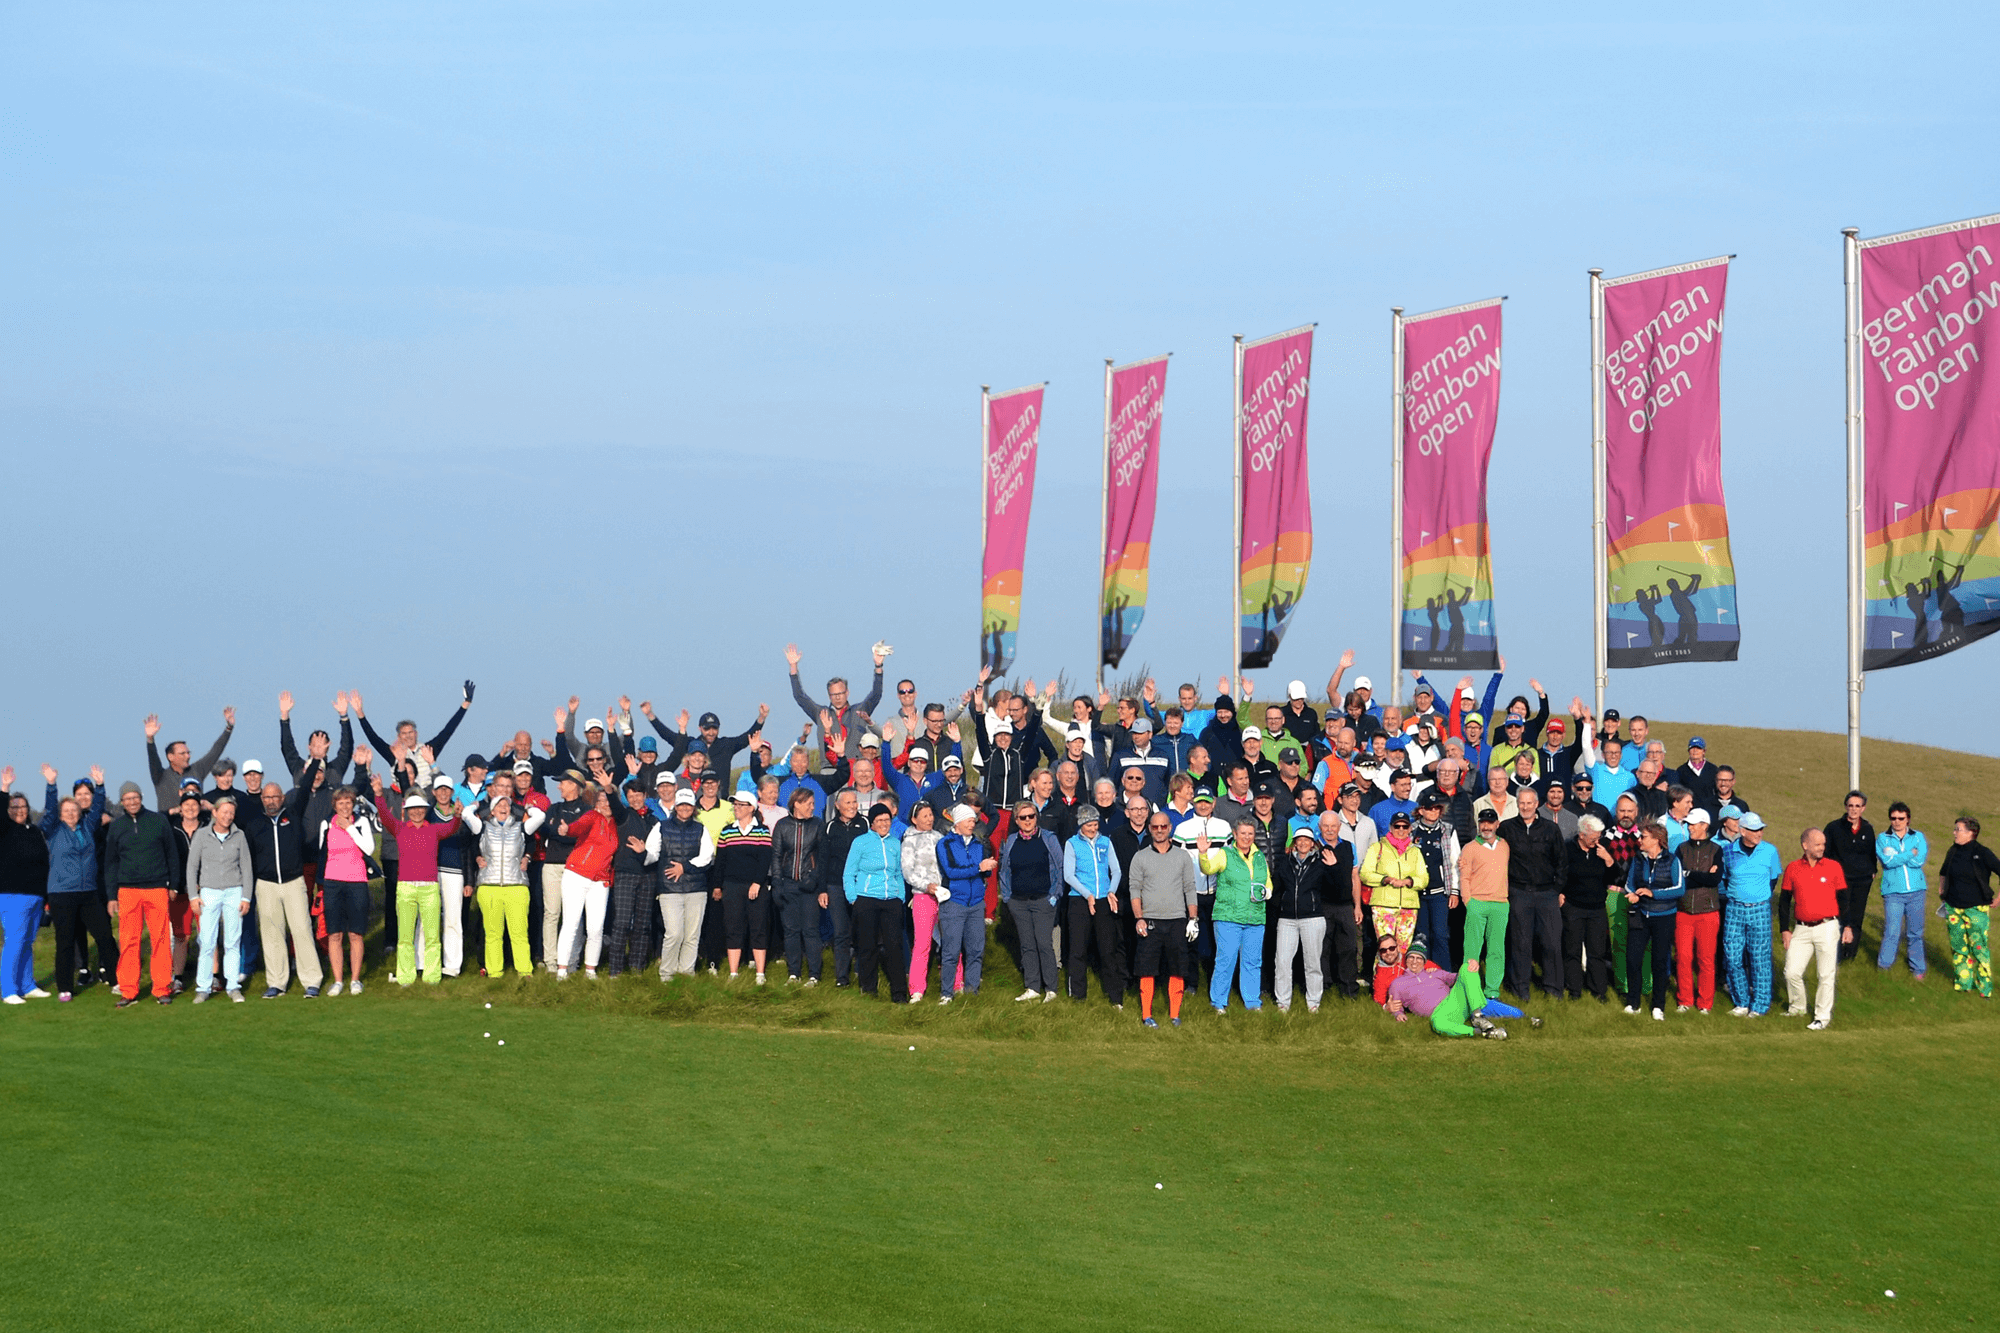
x: 1025, y: 819
x: 901, y: 690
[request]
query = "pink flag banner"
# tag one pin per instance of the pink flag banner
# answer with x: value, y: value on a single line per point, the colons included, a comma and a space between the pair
x: 1275, y: 551
x: 1451, y: 403
x: 1131, y: 473
x: 1013, y: 430
x: 1930, y: 328
x: 1666, y: 527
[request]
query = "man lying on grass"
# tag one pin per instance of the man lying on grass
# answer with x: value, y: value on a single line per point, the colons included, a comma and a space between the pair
x: 1455, y: 1003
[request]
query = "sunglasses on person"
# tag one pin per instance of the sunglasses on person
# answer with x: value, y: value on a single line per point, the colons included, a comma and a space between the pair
x: 901, y: 690
x: 1025, y: 819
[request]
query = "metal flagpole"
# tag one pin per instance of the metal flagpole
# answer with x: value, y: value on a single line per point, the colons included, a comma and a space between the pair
x: 1395, y: 509
x: 985, y: 482
x: 1104, y: 527
x: 1599, y: 558
x: 1235, y: 658
x: 1856, y: 594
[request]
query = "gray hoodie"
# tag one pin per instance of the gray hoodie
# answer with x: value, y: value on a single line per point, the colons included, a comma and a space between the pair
x: 221, y: 861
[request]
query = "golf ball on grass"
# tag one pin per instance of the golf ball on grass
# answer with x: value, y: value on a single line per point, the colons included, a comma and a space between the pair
x: 1890, y: 1294
x: 503, y: 1043
x: 1158, y: 1186
x: 486, y: 1035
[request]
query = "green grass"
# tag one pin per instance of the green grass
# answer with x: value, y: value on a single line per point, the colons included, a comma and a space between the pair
x: 706, y: 1156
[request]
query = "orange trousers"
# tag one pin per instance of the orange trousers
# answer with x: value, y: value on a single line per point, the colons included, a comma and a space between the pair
x: 140, y: 910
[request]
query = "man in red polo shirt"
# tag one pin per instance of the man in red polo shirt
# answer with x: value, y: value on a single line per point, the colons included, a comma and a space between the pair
x: 1809, y: 902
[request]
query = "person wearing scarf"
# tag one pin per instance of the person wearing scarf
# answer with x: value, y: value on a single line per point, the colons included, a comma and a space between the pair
x: 1395, y: 873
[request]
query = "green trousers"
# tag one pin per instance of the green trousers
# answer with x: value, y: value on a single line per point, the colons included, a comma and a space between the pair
x: 1615, y: 907
x: 505, y: 905
x: 415, y: 901
x: 1453, y: 1017
x: 1486, y: 940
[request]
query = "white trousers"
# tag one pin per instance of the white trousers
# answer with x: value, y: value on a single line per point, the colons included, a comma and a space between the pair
x: 1820, y: 946
x: 583, y: 904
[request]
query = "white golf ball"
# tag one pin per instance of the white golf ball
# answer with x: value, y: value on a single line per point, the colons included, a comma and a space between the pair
x: 1158, y: 1186
x: 489, y: 1004
x: 485, y: 1034
x: 503, y: 1043
x: 913, y: 1048
x: 1890, y: 1294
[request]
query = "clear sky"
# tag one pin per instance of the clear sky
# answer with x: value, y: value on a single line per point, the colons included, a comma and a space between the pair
x: 599, y: 348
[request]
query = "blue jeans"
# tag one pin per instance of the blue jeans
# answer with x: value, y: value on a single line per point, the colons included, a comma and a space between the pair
x: 1239, y: 949
x: 1903, y: 922
x: 961, y: 932
x: 20, y: 919
x: 1434, y: 924
x: 221, y: 914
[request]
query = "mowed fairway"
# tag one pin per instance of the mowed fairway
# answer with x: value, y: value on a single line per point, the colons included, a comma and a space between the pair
x: 696, y: 1156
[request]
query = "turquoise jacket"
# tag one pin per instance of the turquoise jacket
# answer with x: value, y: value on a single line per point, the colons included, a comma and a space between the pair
x: 1902, y: 861
x: 874, y: 867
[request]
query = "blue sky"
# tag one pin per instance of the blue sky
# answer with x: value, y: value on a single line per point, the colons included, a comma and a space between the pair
x: 606, y: 348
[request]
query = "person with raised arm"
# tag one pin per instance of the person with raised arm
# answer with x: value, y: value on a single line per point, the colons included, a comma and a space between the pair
x: 841, y: 741
x: 278, y: 860
x: 346, y: 841
x: 24, y: 896
x: 722, y: 750
x: 318, y: 744
x: 76, y: 901
x: 167, y: 777
x: 503, y: 876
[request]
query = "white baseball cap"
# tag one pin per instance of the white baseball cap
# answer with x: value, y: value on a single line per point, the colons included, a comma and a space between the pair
x: 1697, y: 816
x: 683, y: 797
x: 870, y: 741
x: 1003, y: 726
x: 1250, y: 733
x: 590, y: 722
x: 413, y: 800
x: 1296, y: 690
x: 1363, y: 683
x: 747, y: 797
x: 253, y: 766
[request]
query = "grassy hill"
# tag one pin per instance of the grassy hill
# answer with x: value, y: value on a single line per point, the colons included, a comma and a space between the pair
x: 707, y: 1156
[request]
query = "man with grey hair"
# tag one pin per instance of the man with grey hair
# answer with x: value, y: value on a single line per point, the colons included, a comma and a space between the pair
x: 842, y: 738
x: 1586, y: 926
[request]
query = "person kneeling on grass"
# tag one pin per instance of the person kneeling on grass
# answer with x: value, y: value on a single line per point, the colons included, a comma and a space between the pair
x: 1456, y: 1003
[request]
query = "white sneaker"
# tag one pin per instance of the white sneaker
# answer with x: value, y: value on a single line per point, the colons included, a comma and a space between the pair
x: 760, y: 978
x: 945, y: 1000
x: 917, y: 998
x: 1817, y: 1025
x: 1027, y: 995
x: 1740, y: 1011
x: 335, y: 988
x: 590, y: 974
x: 38, y: 994
x: 14, y: 999
x: 562, y: 974
x: 1048, y: 997
x: 1631, y: 1009
x: 811, y: 982
x: 791, y: 981
x: 1682, y: 1008
x: 354, y: 989
x: 1659, y: 1015
x: 236, y: 996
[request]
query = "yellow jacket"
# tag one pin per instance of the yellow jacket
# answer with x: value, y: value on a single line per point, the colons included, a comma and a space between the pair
x: 1384, y: 863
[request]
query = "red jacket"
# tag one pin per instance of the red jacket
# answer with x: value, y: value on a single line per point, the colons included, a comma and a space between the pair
x: 596, y: 844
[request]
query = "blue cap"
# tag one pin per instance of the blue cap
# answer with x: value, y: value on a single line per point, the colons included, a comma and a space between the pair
x: 648, y: 745
x: 1305, y: 824
x: 698, y: 744
x: 1752, y: 821
x: 1730, y: 811
x: 1696, y: 742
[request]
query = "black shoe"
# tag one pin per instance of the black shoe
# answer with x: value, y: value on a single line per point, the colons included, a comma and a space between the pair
x: 165, y: 999
x: 124, y: 1003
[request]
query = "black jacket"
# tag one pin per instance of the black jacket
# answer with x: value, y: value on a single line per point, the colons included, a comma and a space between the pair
x: 839, y: 838
x: 1854, y: 852
x: 139, y: 853
x: 632, y: 824
x: 1536, y: 856
x: 24, y: 860
x: 796, y: 846
x: 277, y: 845
x: 1964, y: 878
x: 1298, y: 886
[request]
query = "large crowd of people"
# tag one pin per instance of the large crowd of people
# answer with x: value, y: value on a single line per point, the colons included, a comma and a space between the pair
x: 1432, y: 859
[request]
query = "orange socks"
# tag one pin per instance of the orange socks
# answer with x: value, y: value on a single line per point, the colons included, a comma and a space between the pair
x: 1175, y: 987
x: 1145, y: 997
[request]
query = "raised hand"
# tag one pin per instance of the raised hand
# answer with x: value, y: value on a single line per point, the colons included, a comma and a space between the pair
x: 229, y: 714
x: 879, y: 655
x: 548, y: 747
x: 97, y: 774
x: 647, y: 708
x: 469, y: 688
x: 1347, y: 659
x: 888, y: 733
x: 316, y: 745
x: 7, y: 778
x: 1150, y: 693
x: 353, y: 697
x: 152, y: 728
x: 340, y: 702
x: 631, y: 763
x: 625, y: 705
x: 574, y: 702
x: 636, y: 845
x: 1222, y: 684
x: 362, y: 754
x: 763, y: 714
x: 1104, y: 698
x: 1028, y: 688
x: 284, y: 705
x: 985, y: 674
x: 1501, y: 658
x: 562, y: 716
x: 792, y: 656
x: 375, y: 781
x: 1536, y: 686
x: 684, y: 721
x: 428, y: 755
x: 1465, y: 682
x: 825, y: 723
x: 399, y: 752
x: 1248, y: 689
x: 49, y: 774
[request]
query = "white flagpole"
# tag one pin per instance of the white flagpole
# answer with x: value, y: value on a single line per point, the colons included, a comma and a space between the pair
x: 1235, y: 658
x: 1856, y: 555
x: 985, y: 482
x: 1104, y: 526
x: 1396, y: 591
x: 1599, y: 558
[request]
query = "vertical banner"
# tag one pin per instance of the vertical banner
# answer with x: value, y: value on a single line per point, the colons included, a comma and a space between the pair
x: 1670, y: 591
x: 1013, y: 428
x: 1274, y: 551
x: 1931, y: 434
x: 1450, y: 404
x: 1135, y: 394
